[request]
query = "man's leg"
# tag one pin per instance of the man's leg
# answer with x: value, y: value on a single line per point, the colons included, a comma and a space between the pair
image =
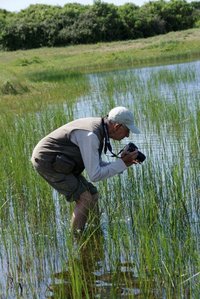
x: 86, y: 206
x: 73, y: 188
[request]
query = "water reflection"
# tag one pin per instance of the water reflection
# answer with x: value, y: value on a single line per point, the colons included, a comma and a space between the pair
x: 179, y: 83
x: 84, y: 262
x: 87, y: 270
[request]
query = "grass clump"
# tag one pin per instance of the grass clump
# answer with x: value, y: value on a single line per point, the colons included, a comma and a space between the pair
x: 54, y: 76
x: 13, y: 88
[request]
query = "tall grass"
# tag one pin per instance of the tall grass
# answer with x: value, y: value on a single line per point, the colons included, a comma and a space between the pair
x: 147, y: 244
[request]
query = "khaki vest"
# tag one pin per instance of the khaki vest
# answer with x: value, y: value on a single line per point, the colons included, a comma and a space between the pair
x: 57, y: 151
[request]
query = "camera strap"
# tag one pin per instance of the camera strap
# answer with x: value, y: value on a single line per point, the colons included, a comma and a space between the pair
x: 107, y: 144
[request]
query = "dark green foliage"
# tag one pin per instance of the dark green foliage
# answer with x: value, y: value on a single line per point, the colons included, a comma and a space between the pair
x: 178, y: 15
x: 196, y: 13
x: 129, y: 14
x: 44, y: 25
x: 25, y: 36
x: 4, y: 20
x: 109, y: 24
x: 100, y: 22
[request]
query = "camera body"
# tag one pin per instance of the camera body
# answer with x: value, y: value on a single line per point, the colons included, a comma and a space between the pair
x: 131, y: 147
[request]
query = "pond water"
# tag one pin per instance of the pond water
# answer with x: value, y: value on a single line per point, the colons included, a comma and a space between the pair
x: 185, y: 87
x: 165, y: 101
x: 174, y: 84
x: 190, y: 85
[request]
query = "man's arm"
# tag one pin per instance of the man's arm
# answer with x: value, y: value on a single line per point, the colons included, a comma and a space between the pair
x: 97, y: 169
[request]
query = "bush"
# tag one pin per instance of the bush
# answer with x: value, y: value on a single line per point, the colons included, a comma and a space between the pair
x: 45, y: 25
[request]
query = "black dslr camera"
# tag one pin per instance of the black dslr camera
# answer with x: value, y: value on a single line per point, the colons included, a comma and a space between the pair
x: 131, y: 147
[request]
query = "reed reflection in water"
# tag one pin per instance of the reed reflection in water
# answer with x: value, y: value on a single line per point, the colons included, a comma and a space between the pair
x: 86, y: 266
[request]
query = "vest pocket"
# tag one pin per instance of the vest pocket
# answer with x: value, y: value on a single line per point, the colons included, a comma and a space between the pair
x: 63, y: 164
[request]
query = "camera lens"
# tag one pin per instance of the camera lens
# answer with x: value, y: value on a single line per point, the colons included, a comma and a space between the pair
x: 140, y: 157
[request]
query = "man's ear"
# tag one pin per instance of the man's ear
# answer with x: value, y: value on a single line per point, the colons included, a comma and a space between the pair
x: 113, y: 128
x: 116, y: 126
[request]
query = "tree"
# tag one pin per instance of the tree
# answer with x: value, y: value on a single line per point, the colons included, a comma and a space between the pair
x: 196, y: 13
x: 45, y: 25
x: 128, y: 14
x: 109, y: 25
x: 149, y: 19
x: 178, y: 15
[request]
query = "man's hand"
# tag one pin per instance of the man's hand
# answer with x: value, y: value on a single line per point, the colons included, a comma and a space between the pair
x: 129, y: 158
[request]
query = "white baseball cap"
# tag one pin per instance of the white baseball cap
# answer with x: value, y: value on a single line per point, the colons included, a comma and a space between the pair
x: 123, y: 116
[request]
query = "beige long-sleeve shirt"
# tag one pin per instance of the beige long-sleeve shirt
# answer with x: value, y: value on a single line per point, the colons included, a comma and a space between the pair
x: 96, y: 169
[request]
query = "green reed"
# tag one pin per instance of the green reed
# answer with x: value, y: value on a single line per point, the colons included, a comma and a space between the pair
x: 27, y: 210
x: 162, y: 209
x: 146, y: 244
